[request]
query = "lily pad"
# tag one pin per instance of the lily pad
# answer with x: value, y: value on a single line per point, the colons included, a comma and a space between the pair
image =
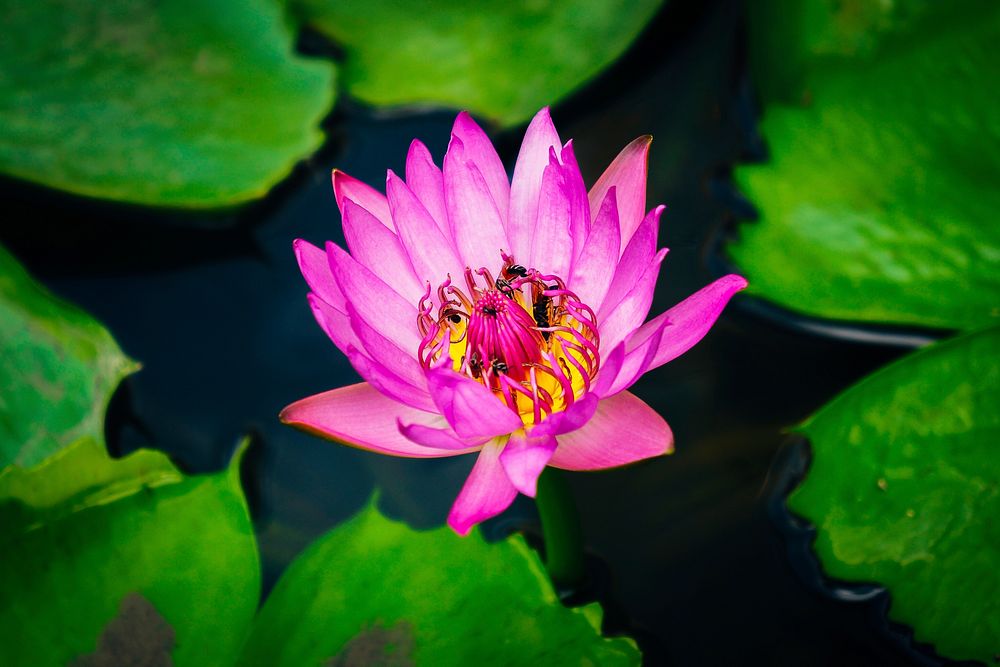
x: 58, y: 369
x: 877, y: 204
x: 791, y: 37
x: 373, y: 591
x: 904, y: 489
x: 109, y: 560
x: 502, y: 59
x: 174, y: 103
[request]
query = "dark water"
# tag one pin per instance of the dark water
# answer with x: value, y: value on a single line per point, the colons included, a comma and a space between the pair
x: 699, y: 560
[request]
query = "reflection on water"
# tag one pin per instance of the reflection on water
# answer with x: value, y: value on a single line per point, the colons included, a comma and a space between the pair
x: 220, y: 323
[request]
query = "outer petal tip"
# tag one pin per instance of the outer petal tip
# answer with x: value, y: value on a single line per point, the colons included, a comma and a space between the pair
x: 297, y: 415
x: 692, y: 318
x: 337, y: 178
x: 486, y: 493
x: 298, y: 247
x: 359, y: 416
x: 416, y: 150
x: 460, y: 526
x: 464, y: 122
x: 542, y: 123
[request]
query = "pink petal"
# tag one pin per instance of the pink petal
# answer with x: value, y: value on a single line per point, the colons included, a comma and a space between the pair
x: 362, y: 194
x: 570, y: 419
x: 595, y: 267
x: 359, y: 416
x: 439, y: 437
x: 627, y: 173
x: 424, y: 178
x: 475, y: 218
x: 480, y: 151
x: 372, y: 244
x: 552, y: 247
x: 471, y: 409
x: 611, y: 364
x: 486, y: 492
x: 623, y: 430
x: 638, y: 359
x: 403, y: 362
x: 432, y: 255
x: 539, y: 139
x: 633, y: 262
x: 524, y: 458
x: 386, y: 382
x: 576, y: 192
x: 378, y: 305
x: 689, y: 320
x: 335, y: 323
x: 632, y: 310
x: 316, y: 270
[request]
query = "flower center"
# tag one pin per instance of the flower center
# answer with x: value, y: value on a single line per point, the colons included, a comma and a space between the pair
x: 523, y: 335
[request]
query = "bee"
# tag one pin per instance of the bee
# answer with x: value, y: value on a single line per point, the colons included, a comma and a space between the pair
x: 452, y: 315
x: 540, y: 311
x: 504, y: 287
x: 499, y: 367
x: 507, y: 274
x: 475, y: 365
x: 514, y: 271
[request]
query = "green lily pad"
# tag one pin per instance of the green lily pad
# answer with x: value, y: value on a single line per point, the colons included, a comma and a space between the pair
x: 904, y: 489
x: 110, y: 560
x: 788, y: 38
x: 58, y: 369
x: 501, y: 59
x: 373, y: 591
x: 878, y: 202
x: 174, y: 103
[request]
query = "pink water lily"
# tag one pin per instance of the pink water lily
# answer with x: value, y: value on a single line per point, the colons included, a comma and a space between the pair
x: 499, y: 316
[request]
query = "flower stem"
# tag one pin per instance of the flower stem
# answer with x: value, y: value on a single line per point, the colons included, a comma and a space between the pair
x: 560, y: 530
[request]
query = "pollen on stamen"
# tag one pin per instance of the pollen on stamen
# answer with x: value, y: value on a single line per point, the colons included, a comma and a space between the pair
x: 524, y: 335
